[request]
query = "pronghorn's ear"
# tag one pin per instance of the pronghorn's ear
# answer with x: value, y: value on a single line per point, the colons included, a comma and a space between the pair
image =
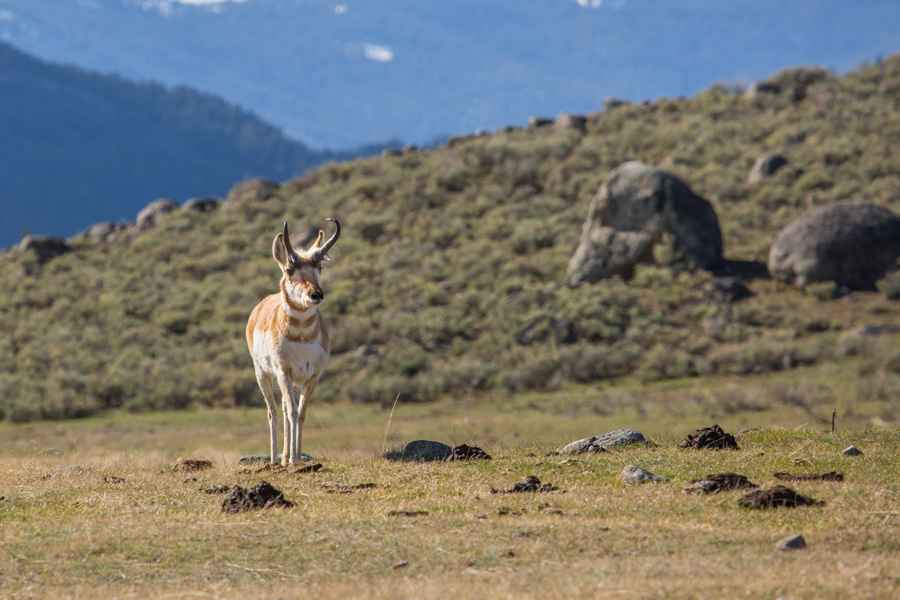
x: 318, y: 241
x: 279, y: 252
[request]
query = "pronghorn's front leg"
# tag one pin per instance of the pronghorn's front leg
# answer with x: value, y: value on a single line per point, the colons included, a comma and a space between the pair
x: 267, y: 387
x: 289, y: 409
x: 308, y: 388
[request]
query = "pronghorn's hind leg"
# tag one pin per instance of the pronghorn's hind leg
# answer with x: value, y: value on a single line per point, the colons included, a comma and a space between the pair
x: 267, y: 387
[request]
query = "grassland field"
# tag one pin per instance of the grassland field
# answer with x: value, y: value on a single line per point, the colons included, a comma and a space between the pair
x: 68, y: 530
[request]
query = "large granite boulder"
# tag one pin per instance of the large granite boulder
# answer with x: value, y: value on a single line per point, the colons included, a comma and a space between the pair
x: 150, y: 214
x: 636, y: 208
x: 853, y: 245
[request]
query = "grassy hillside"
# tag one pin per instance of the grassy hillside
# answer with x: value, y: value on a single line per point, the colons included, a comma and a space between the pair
x: 449, y: 277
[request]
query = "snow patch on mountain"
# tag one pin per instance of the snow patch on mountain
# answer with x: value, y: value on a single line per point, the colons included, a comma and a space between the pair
x: 378, y: 53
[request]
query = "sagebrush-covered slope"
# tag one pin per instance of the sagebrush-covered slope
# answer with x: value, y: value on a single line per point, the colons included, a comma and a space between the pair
x: 450, y: 275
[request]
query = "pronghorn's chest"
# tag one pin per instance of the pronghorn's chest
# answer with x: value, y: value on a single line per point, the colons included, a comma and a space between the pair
x: 298, y: 360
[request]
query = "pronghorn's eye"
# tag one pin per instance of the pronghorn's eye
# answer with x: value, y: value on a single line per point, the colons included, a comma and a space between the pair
x: 290, y: 270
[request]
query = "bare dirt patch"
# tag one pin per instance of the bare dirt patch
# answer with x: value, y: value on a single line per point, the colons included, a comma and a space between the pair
x: 263, y: 495
x: 719, y: 482
x: 529, y: 484
x: 829, y: 476
x: 776, y: 497
x: 710, y: 437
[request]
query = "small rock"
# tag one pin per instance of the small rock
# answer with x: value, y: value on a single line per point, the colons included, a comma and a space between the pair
x: 420, y: 450
x: 635, y: 474
x: 792, y: 542
x: 400, y: 564
x: 605, y: 441
x: 852, y: 451
x: 114, y: 479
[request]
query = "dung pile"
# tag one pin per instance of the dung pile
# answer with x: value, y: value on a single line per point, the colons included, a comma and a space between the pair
x: 466, y: 452
x: 710, y: 437
x: 529, y: 484
x: 263, y: 495
x: 829, y: 476
x: 775, y: 497
x: 719, y: 482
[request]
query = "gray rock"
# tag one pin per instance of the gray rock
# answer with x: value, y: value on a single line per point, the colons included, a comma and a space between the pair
x: 150, y: 214
x: 44, y: 248
x: 792, y: 542
x: 851, y: 451
x: 420, y: 450
x: 765, y: 167
x: 638, y: 207
x: 252, y: 190
x: 202, y: 205
x: 103, y: 232
x: 570, y: 121
x: 635, y: 474
x: 853, y: 245
x: 603, y: 442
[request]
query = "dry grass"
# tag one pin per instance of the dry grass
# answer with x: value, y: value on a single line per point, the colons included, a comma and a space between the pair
x: 65, y: 532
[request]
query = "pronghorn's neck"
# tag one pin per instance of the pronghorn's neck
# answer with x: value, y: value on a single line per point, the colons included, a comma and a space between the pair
x: 302, y: 323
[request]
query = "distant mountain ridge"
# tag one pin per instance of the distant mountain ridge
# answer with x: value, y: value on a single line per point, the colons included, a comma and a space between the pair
x: 80, y: 147
x: 410, y: 69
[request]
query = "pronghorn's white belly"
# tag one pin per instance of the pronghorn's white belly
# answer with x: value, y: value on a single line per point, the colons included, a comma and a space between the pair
x: 305, y: 359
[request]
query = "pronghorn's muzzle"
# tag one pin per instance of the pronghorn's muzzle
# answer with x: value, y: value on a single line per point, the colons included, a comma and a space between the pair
x: 316, y: 296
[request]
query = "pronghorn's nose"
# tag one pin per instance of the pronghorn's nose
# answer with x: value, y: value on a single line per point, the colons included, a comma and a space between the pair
x: 316, y: 296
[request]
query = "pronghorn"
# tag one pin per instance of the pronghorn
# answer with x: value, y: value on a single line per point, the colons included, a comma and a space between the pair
x: 287, y: 337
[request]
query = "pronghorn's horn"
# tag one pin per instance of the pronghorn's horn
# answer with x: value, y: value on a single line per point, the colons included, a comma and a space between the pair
x: 287, y: 243
x: 320, y: 253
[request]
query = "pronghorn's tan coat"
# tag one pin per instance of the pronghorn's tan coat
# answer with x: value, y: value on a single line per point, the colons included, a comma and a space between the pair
x: 288, y: 339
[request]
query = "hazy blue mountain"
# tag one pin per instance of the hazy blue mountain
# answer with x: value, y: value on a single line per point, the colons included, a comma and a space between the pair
x: 77, y: 147
x: 340, y: 72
